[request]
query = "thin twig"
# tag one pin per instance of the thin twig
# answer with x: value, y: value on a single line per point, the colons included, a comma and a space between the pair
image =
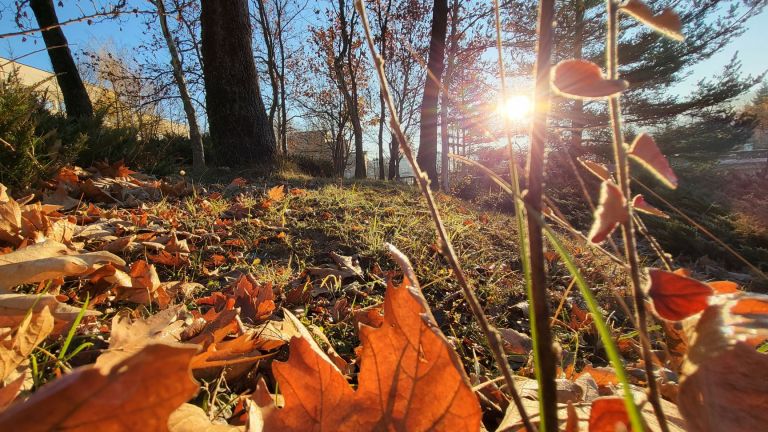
x: 630, y: 247
x: 492, y: 335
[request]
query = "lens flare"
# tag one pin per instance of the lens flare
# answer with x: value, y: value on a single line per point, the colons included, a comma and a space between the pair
x: 516, y: 108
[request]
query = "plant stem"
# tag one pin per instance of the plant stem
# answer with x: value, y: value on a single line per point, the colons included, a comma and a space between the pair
x: 491, y: 334
x: 627, y: 227
x: 544, y: 353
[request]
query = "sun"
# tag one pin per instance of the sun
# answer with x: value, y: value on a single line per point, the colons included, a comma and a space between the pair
x: 516, y: 107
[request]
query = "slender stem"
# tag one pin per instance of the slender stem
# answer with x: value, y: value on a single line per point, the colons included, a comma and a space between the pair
x: 544, y: 354
x: 627, y: 228
x: 492, y: 335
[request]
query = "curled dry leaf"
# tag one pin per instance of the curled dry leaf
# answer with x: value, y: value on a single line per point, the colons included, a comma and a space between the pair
x: 640, y: 204
x: 138, y: 393
x: 611, y: 211
x: 676, y: 297
x: 192, y: 418
x: 410, y: 378
x: 276, y: 193
x: 129, y: 336
x: 724, y: 385
x: 645, y: 151
x: 598, y: 169
x: 17, y: 344
x: 582, y: 79
x: 608, y: 414
x: 667, y: 22
x: 49, y: 260
x: 14, y: 308
x: 256, y: 301
x: 9, y: 391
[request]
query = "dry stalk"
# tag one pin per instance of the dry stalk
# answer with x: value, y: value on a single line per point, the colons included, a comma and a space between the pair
x: 544, y: 352
x: 627, y: 228
x: 491, y: 334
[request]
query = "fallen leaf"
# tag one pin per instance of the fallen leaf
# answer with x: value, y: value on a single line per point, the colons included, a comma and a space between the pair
x: 582, y: 79
x: 129, y: 336
x: 276, y: 193
x: 610, y: 212
x: 14, y: 308
x: 192, y: 418
x: 723, y: 386
x: 667, y: 22
x: 645, y: 151
x: 9, y: 391
x: 515, y: 342
x: 139, y: 393
x: 17, y: 344
x: 676, y: 297
x: 608, y: 414
x: 49, y: 260
x: 410, y: 378
x: 256, y: 301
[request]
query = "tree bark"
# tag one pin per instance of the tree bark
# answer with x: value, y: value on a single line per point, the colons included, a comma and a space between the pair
x: 76, y: 100
x: 198, y: 152
x: 237, y: 119
x: 427, y: 157
x: 577, y: 113
x: 451, y: 63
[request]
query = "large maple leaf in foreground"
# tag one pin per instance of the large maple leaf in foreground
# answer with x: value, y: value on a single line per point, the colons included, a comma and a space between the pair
x: 410, y: 378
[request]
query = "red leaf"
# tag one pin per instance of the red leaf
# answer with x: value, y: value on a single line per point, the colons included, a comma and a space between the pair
x: 581, y: 79
x: 611, y: 212
x: 676, y: 297
x: 608, y: 414
x: 645, y: 151
x: 667, y: 22
x: 640, y: 204
x: 598, y: 169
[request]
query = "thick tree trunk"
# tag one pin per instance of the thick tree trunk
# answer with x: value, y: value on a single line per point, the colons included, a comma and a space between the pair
x: 76, y: 99
x: 237, y: 119
x: 198, y: 152
x: 427, y: 157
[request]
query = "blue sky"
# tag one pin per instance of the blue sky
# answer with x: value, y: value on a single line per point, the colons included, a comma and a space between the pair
x: 751, y: 46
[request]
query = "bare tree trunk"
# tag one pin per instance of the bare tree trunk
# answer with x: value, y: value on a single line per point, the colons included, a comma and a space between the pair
x: 283, y: 129
x: 237, y: 119
x: 76, y: 99
x: 427, y: 157
x: 269, y: 43
x: 451, y: 63
x: 577, y: 113
x: 198, y: 152
x: 349, y: 90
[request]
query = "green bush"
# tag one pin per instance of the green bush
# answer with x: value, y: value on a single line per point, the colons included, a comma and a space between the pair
x: 30, y: 152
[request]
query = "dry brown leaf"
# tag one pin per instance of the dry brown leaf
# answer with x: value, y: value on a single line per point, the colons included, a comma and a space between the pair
x: 582, y: 79
x: 138, y: 393
x: 611, y: 211
x: 276, y: 193
x: 14, y: 308
x: 410, y: 378
x: 192, y: 418
x: 667, y: 22
x: 515, y: 342
x: 256, y: 301
x: 608, y: 414
x: 10, y: 218
x: 129, y: 336
x: 49, y: 260
x: 17, y: 344
x: 60, y: 197
x: 9, y: 391
x: 724, y: 385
